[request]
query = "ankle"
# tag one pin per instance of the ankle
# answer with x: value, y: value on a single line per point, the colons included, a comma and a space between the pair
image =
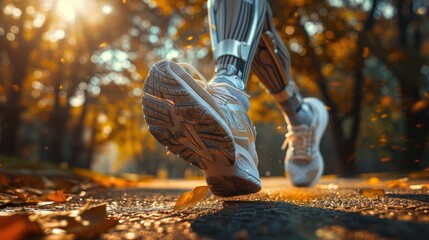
x: 302, y: 116
x: 237, y: 83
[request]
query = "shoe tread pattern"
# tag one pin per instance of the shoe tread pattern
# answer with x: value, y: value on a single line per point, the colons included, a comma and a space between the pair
x: 181, y: 124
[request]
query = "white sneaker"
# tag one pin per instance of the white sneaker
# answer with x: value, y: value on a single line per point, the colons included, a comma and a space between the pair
x: 205, y: 125
x: 304, y: 163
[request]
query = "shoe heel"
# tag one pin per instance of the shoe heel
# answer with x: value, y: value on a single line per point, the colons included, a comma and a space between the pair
x: 224, y: 186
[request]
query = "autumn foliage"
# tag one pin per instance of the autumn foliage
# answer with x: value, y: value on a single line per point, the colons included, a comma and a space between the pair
x: 71, y: 74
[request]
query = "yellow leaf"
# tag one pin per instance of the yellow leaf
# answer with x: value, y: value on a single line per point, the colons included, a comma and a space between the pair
x: 399, y: 183
x: 374, y: 181
x: 190, y: 199
x: 372, y: 193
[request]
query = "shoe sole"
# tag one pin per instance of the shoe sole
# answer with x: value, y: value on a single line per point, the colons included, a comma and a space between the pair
x: 181, y: 116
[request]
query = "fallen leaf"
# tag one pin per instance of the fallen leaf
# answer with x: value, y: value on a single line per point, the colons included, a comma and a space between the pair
x: 19, y: 195
x: 94, y: 222
x: 84, y: 223
x: 105, y: 180
x: 190, y: 199
x: 17, y: 227
x: 56, y: 196
x: 399, y: 183
x: 372, y: 193
x: 374, y: 181
x: 29, y: 196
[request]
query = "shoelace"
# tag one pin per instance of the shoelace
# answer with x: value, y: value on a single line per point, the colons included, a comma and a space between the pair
x: 300, y: 138
x: 217, y: 90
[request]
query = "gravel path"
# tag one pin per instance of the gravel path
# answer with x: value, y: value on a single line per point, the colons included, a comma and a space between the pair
x: 333, y: 209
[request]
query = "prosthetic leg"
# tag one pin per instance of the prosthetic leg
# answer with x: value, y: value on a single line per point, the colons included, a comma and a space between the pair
x: 238, y: 30
x: 235, y: 30
x: 272, y: 65
x: 207, y: 123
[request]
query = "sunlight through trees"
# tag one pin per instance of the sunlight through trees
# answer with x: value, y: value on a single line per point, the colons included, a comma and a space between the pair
x: 71, y: 74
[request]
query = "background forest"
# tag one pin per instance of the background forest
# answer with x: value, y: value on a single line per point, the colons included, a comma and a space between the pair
x: 71, y: 73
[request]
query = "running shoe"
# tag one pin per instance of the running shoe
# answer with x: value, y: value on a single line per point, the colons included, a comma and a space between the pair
x: 304, y: 162
x: 204, y: 124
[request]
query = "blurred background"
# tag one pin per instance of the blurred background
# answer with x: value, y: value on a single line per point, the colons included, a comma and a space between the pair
x: 71, y: 74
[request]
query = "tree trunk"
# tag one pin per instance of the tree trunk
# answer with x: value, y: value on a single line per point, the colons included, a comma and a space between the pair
x: 417, y: 130
x: 415, y: 111
x: 12, y: 108
x: 344, y: 149
x: 58, y: 120
x: 78, y: 146
x: 91, y: 148
x: 416, y: 133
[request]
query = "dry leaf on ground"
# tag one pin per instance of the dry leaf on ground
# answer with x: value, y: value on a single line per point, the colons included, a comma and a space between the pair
x: 84, y: 223
x: 11, y: 197
x: 190, y: 199
x: 97, y: 220
x: 19, y: 195
x: 18, y: 226
x: 56, y: 196
x: 374, y: 181
x: 399, y: 183
x: 372, y: 193
x: 106, y: 180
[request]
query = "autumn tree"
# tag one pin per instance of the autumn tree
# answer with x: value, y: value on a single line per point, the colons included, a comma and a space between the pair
x: 77, y: 72
x: 334, y: 41
x: 61, y: 40
x: 22, y: 30
x: 89, y: 36
x: 334, y: 44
